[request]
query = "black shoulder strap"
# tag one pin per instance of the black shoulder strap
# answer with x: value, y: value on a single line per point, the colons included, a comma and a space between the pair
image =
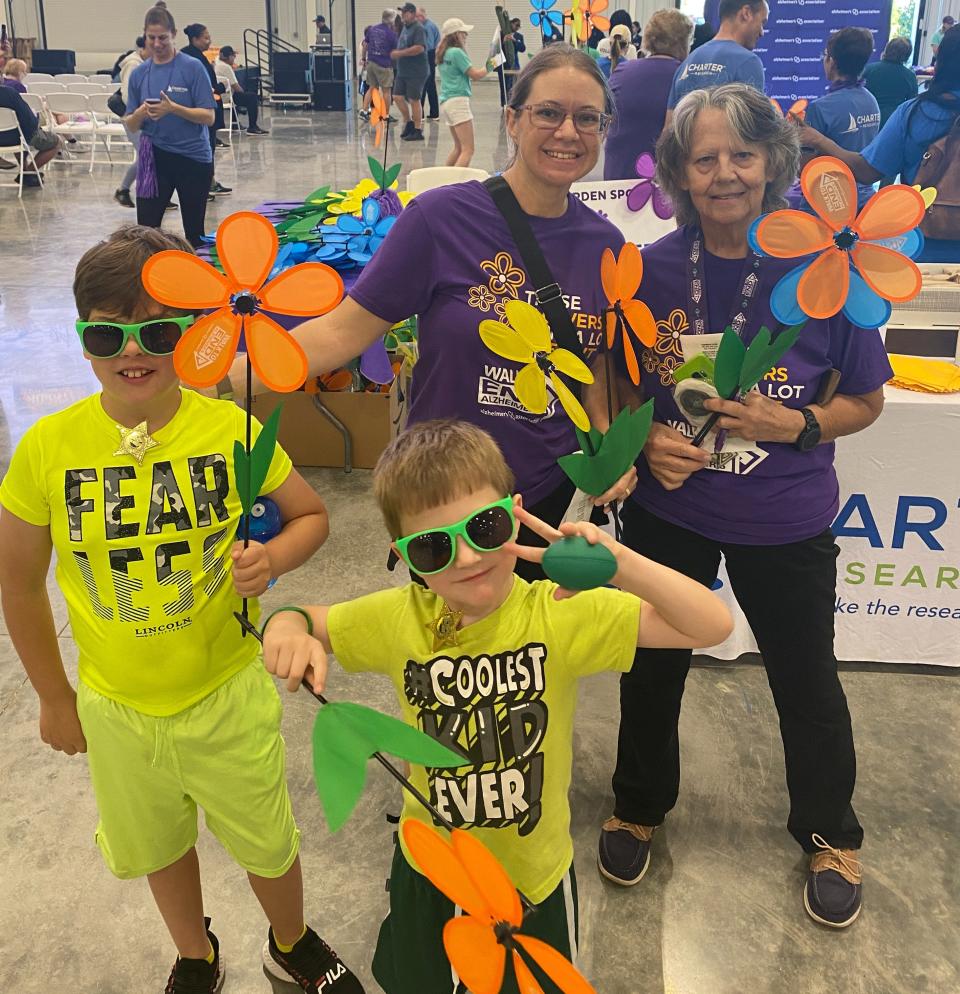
x: 548, y: 293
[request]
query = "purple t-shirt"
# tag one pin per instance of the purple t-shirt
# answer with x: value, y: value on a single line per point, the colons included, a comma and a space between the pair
x: 381, y: 40
x: 14, y: 84
x: 640, y: 89
x: 451, y: 260
x: 773, y: 494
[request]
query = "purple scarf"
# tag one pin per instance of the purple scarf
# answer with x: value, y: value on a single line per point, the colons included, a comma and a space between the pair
x: 146, y: 169
x: 845, y: 84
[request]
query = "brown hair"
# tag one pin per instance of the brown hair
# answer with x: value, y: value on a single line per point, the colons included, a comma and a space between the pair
x: 159, y: 15
x: 557, y: 56
x: 434, y: 462
x: 448, y: 41
x: 108, y: 275
x: 668, y: 32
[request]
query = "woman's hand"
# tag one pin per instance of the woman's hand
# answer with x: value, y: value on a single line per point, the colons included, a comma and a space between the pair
x: 165, y: 106
x: 671, y: 457
x: 621, y: 490
x: 293, y: 655
x: 60, y: 725
x: 757, y: 418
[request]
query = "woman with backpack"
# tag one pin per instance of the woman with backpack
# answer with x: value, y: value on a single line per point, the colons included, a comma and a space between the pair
x: 921, y: 143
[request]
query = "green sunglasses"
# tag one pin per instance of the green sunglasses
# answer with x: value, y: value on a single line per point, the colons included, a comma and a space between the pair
x: 485, y: 530
x: 106, y: 339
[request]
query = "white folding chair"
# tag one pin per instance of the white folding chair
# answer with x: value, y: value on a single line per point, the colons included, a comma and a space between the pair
x: 109, y: 127
x: 431, y: 177
x: 71, y: 77
x: 37, y: 77
x: 87, y: 88
x: 34, y: 101
x: 81, y: 121
x: 229, y: 110
x: 21, y: 147
x: 42, y: 89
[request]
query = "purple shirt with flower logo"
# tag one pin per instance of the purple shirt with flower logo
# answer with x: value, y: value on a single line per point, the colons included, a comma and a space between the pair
x: 451, y: 260
x: 774, y: 494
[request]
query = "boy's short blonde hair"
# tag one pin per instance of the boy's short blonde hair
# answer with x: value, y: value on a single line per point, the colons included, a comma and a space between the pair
x: 108, y: 275
x: 434, y: 462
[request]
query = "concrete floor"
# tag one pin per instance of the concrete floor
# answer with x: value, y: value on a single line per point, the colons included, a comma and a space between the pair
x: 720, y: 911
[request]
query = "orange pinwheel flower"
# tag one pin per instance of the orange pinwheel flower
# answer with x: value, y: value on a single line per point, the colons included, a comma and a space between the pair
x: 797, y: 112
x: 841, y: 236
x: 246, y: 246
x: 378, y: 114
x: 590, y: 17
x: 477, y: 942
x: 621, y: 279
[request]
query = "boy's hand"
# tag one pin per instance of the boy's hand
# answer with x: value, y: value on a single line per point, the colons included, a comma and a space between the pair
x: 252, y: 570
x: 292, y: 655
x: 535, y: 554
x: 60, y: 725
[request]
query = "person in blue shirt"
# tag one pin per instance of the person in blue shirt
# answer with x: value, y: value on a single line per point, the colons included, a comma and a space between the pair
x: 849, y: 112
x: 913, y: 127
x: 728, y: 57
x: 170, y: 101
x: 429, y: 94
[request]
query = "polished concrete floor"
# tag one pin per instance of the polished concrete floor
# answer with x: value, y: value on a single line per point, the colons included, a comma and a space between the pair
x: 720, y: 911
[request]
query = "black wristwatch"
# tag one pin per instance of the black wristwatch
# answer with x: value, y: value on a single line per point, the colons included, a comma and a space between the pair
x: 809, y: 437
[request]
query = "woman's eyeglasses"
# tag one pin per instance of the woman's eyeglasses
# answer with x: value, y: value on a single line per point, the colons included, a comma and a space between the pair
x: 106, y: 339
x: 550, y: 118
x: 485, y: 530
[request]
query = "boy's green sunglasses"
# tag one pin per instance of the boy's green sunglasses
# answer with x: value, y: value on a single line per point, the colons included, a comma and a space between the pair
x: 486, y: 529
x: 106, y: 339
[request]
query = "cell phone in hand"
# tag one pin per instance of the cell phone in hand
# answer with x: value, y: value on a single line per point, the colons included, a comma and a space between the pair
x: 152, y: 100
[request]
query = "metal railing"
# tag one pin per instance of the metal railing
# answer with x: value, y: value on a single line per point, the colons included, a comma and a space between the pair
x: 258, y: 48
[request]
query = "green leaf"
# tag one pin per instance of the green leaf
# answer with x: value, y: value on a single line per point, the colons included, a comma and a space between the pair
x: 700, y: 365
x: 756, y: 366
x: 729, y: 362
x: 319, y: 194
x: 391, y: 174
x: 615, y: 452
x: 260, y: 458
x: 346, y: 735
x: 376, y: 170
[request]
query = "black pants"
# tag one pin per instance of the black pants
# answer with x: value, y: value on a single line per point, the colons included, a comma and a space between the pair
x: 430, y: 88
x: 191, y: 180
x: 251, y: 104
x: 787, y: 593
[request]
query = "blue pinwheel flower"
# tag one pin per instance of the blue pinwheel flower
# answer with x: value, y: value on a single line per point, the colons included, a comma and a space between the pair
x: 365, y: 233
x: 542, y: 14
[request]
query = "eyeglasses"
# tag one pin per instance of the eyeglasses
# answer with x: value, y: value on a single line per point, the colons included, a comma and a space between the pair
x: 550, y: 118
x: 106, y: 339
x: 485, y: 530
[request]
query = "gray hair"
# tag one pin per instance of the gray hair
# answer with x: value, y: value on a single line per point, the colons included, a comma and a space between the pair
x: 753, y: 119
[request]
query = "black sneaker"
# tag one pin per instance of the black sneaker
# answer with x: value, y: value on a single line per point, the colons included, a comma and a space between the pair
x: 122, y: 197
x: 415, y: 135
x: 364, y: 115
x: 312, y: 964
x: 257, y: 131
x: 407, y: 128
x: 624, y: 851
x: 221, y: 144
x: 220, y: 188
x: 197, y: 976
x: 833, y: 893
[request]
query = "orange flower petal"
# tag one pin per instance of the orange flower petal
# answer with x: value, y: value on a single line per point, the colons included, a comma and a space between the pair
x: 526, y: 981
x: 629, y: 271
x: 787, y: 234
x: 489, y: 877
x: 305, y: 291
x: 276, y: 355
x: 608, y: 275
x: 603, y: 23
x: 247, y: 245
x: 887, y: 272
x: 822, y: 289
x: 440, y: 865
x: 630, y: 355
x: 892, y: 211
x: 558, y: 968
x: 830, y: 190
x: 204, y: 354
x: 179, y: 279
x: 475, y: 954
x: 641, y: 320
x: 611, y: 319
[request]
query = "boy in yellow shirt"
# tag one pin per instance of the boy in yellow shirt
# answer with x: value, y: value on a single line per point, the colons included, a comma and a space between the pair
x: 488, y: 664
x: 134, y: 488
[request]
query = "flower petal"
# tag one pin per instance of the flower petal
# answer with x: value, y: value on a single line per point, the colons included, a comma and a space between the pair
x: 557, y: 967
x: 526, y: 982
x: 204, y: 354
x: 530, y: 387
x: 641, y: 321
x: 570, y: 404
x: 529, y: 324
x: 890, y: 274
x: 830, y: 190
x: 783, y: 298
x: 612, y: 321
x: 475, y: 954
x: 910, y: 243
x: 179, y: 279
x: 384, y: 225
x: 350, y: 224
x: 307, y: 290
x: 864, y: 308
x: 787, y: 234
x: 608, y: 274
x: 489, y: 877
x: 629, y: 271
x: 752, y: 236
x: 370, y: 211
x: 571, y: 364
x: 246, y: 245
x: 822, y: 289
x: 504, y: 341
x: 276, y: 355
x: 630, y: 355
x: 893, y: 210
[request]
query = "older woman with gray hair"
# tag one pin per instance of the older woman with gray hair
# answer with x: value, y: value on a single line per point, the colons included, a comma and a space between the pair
x: 763, y: 500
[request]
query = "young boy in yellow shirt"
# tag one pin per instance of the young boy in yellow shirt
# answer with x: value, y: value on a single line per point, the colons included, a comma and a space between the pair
x: 134, y: 488
x: 488, y: 664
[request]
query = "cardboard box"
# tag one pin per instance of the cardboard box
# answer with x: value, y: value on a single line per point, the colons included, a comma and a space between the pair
x: 311, y: 439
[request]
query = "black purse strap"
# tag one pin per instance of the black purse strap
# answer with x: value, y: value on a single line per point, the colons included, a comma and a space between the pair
x: 549, y: 295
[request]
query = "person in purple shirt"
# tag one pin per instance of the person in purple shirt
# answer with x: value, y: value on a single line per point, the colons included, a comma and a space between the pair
x: 451, y: 260
x: 765, y: 503
x: 13, y: 73
x: 379, y: 40
x: 640, y: 90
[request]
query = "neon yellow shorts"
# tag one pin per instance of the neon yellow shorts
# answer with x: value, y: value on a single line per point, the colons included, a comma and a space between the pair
x: 224, y: 754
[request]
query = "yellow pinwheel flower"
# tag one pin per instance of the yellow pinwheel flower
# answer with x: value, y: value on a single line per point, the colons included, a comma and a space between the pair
x: 527, y: 339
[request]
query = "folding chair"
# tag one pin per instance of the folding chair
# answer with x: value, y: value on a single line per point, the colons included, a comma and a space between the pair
x: 37, y: 77
x: 229, y: 110
x: 87, y: 88
x: 430, y: 177
x: 75, y: 105
x: 42, y: 89
x: 9, y: 122
x: 109, y: 126
x: 34, y: 101
x: 71, y: 77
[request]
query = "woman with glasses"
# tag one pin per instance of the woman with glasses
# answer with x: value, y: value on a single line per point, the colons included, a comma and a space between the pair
x: 451, y: 259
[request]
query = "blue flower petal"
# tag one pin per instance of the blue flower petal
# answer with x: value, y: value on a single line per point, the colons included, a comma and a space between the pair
x: 362, y: 257
x: 910, y: 244
x: 349, y: 224
x: 336, y: 237
x: 370, y: 211
x: 384, y: 225
x: 358, y: 244
x: 375, y: 243
x: 752, y: 236
x: 783, y: 299
x: 863, y: 307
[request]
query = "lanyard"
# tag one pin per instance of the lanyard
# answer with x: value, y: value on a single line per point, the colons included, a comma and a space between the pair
x: 697, y: 291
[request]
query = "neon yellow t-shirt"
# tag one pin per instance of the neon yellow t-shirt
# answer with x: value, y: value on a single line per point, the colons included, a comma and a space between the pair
x: 504, y: 696
x: 143, y: 552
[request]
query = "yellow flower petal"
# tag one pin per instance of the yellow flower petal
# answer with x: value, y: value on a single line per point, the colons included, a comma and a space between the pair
x: 570, y: 364
x: 531, y: 388
x: 505, y: 342
x: 529, y: 324
x: 570, y: 404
